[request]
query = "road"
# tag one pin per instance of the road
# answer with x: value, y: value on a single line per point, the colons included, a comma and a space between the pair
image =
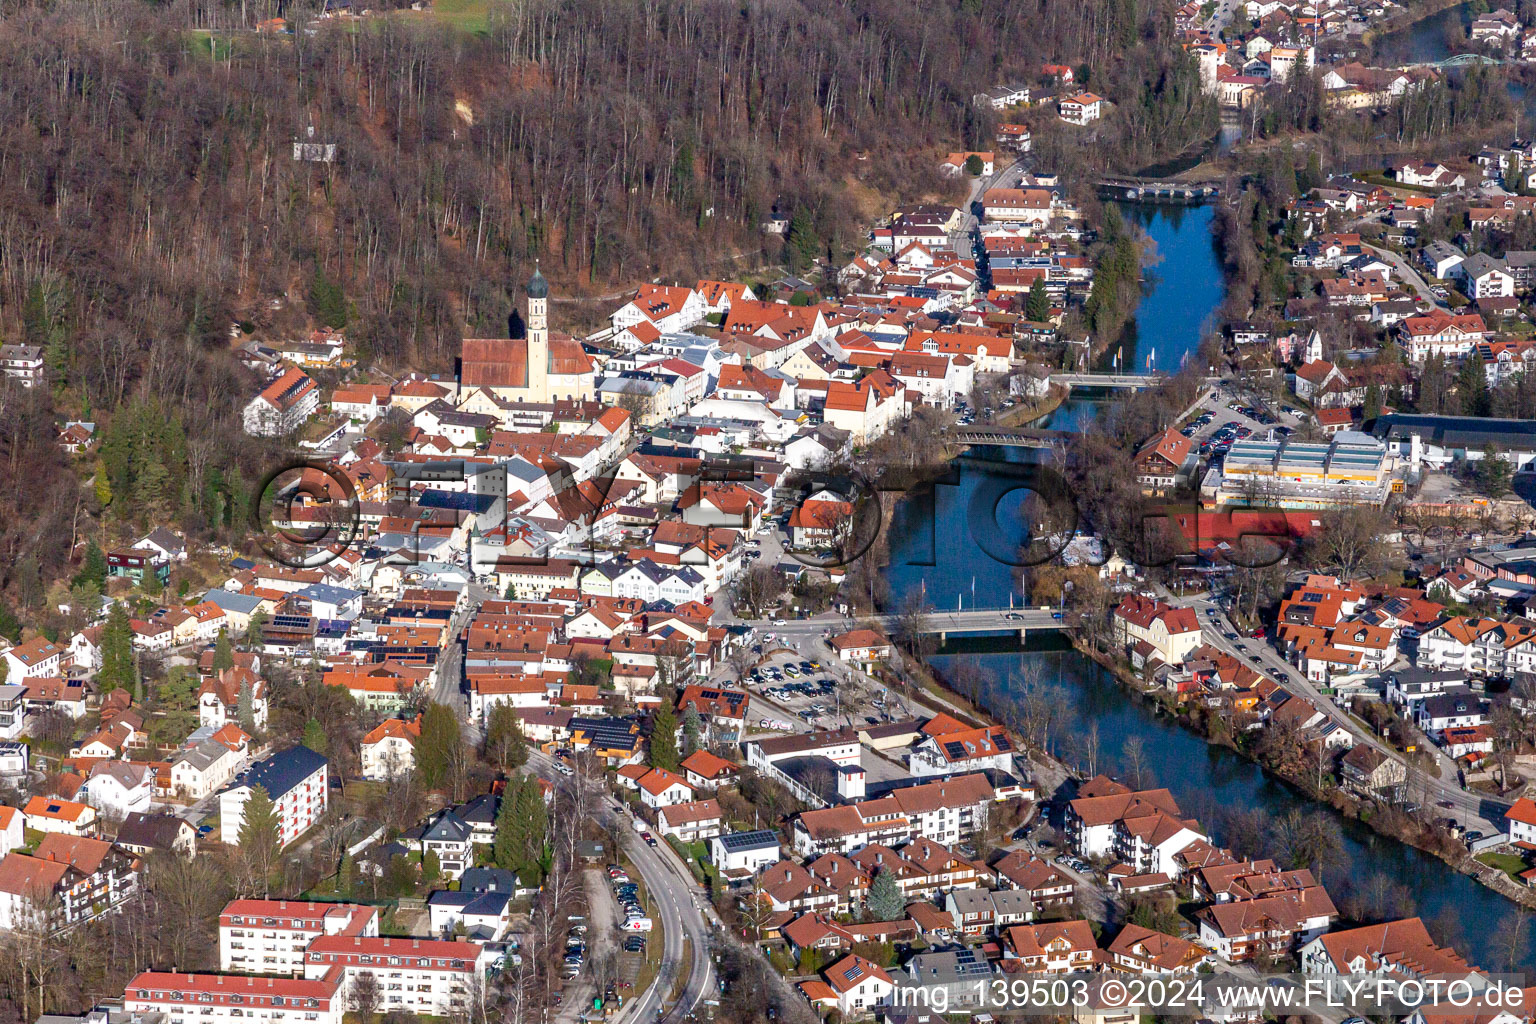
x: 675, y: 902
x: 449, y: 688
x: 1007, y: 177
x: 1405, y: 271
x: 1472, y: 809
x: 1221, y: 17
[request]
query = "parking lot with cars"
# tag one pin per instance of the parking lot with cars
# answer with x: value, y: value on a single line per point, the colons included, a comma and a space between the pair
x: 1224, y: 419
x: 800, y: 692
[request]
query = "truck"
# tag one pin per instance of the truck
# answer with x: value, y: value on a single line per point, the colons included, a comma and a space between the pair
x: 637, y: 824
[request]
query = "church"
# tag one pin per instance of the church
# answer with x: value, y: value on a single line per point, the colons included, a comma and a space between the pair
x: 532, y: 365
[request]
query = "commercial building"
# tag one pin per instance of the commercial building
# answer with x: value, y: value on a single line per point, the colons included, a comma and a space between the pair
x: 1353, y: 469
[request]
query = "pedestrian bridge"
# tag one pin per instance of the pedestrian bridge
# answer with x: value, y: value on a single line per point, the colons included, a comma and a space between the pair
x: 1015, y: 437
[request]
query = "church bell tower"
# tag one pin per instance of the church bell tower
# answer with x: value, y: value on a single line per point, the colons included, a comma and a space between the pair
x: 538, y: 337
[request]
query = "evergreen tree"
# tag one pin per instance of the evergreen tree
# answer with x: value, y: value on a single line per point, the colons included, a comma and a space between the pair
x: 102, y: 486
x: 118, y: 666
x: 254, y: 627
x: 1372, y: 402
x: 1038, y: 306
x: 1434, y: 385
x: 974, y: 166
x: 507, y: 843
x: 1493, y: 473
x: 10, y: 625
x: 536, y: 853
x: 260, y: 835
x: 245, y: 710
x: 93, y: 568
x: 438, y: 745
x: 664, y: 739
x: 1472, y: 388
x: 431, y: 866
x: 693, y: 728
x: 802, y: 244
x: 314, y: 736
x: 885, y: 902
x: 504, y: 741
x: 223, y: 653
x: 327, y: 301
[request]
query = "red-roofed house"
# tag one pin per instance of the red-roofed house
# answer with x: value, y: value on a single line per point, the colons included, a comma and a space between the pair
x: 858, y: 985
x: 283, y: 405
x: 389, y: 749
x: 1171, y: 632
x: 1160, y: 461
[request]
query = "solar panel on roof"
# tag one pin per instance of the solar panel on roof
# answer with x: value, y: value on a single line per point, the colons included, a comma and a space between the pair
x: 745, y: 840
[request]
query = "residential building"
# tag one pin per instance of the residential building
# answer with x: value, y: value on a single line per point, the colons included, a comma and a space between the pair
x: 270, y: 936
x: 389, y: 748
x: 22, y: 363
x: 1171, y: 633
x: 233, y: 999
x: 283, y: 405
x: 296, y: 780
x: 1053, y: 947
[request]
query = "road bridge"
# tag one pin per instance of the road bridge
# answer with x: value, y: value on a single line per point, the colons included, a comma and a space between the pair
x: 1134, y: 381
x: 983, y: 620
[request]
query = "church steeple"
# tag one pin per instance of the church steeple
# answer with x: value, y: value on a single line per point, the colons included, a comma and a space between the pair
x: 538, y: 336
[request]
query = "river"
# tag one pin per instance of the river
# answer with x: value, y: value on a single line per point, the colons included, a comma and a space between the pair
x: 1426, y: 40
x: 940, y: 539
x: 934, y: 546
x: 1183, y: 286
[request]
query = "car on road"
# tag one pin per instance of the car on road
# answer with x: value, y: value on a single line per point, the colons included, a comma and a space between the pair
x: 1255, y: 659
x: 650, y: 840
x: 564, y: 769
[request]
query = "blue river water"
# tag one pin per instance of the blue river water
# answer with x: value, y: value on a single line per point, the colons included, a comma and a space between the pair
x: 951, y: 541
x: 942, y: 543
x: 1182, y: 289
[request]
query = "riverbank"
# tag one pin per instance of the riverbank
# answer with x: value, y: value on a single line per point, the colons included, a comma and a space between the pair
x: 1406, y: 19
x: 1388, y: 824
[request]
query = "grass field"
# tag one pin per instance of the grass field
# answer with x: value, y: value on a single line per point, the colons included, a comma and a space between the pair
x: 466, y: 15
x: 1508, y: 863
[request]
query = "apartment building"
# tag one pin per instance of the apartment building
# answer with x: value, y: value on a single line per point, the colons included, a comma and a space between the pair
x: 1478, y: 645
x: 270, y: 936
x: 1143, y: 829
x: 234, y: 999
x: 946, y: 812
x: 295, y: 779
x: 422, y: 976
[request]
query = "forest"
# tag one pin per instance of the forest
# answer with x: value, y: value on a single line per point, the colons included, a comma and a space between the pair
x: 155, y: 199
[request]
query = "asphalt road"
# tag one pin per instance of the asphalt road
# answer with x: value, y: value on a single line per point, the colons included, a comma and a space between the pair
x: 1473, y: 809
x: 675, y: 902
x: 1007, y: 177
x: 1409, y: 276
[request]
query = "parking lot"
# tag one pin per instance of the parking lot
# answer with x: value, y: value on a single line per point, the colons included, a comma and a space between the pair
x: 1225, y: 419
x: 797, y: 691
